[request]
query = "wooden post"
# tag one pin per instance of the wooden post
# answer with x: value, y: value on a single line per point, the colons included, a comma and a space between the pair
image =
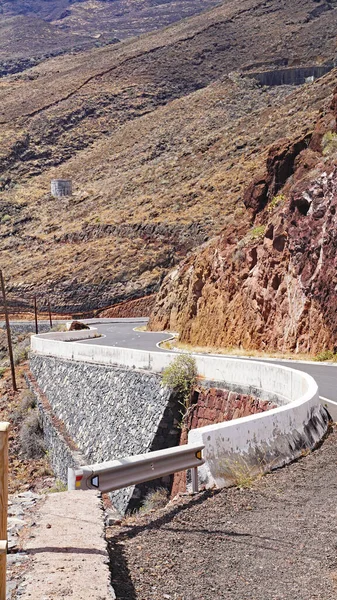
x: 50, y: 319
x: 8, y: 329
x: 4, y: 427
x: 35, y: 312
x: 3, y: 568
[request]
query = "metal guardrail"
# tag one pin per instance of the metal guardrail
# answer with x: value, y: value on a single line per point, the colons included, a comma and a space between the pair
x: 132, y: 470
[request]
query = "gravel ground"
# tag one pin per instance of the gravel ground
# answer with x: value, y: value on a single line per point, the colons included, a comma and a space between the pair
x: 274, y: 541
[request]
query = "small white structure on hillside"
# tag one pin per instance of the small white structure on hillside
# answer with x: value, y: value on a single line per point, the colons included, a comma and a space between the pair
x: 61, y: 187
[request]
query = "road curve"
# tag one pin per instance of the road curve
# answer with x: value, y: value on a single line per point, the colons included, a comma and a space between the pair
x: 122, y: 333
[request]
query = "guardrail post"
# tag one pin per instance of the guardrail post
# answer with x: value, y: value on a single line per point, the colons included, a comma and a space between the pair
x: 4, y: 427
x: 195, y: 483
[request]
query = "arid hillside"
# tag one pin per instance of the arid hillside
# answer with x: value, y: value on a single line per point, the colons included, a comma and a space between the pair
x: 160, y: 136
x: 31, y: 30
x: 270, y: 285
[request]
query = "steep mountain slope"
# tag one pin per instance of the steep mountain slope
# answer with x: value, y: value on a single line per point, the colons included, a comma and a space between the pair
x: 159, y: 137
x: 272, y: 284
x: 33, y: 30
x: 24, y: 39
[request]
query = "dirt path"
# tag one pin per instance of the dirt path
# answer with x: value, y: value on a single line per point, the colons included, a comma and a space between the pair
x: 67, y: 551
x: 274, y: 541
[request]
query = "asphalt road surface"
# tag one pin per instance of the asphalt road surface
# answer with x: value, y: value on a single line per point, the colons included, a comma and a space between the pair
x: 121, y: 333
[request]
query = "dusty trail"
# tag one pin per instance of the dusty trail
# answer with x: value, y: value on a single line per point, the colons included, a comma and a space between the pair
x: 274, y: 541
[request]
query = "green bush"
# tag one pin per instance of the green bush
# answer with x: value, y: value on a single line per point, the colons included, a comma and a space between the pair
x: 257, y: 232
x: 329, y: 143
x: 59, y: 486
x: 279, y: 199
x: 325, y: 355
x: 181, y: 376
x: 254, y: 234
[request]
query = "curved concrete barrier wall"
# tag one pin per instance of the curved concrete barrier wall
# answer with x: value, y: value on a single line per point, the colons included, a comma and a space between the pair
x: 263, y: 441
x: 276, y: 382
x: 245, y: 447
x: 45, y: 340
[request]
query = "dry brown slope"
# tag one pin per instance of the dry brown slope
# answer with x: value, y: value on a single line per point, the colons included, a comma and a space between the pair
x: 270, y: 285
x: 96, y: 20
x: 157, y: 166
x: 159, y: 192
x: 30, y: 32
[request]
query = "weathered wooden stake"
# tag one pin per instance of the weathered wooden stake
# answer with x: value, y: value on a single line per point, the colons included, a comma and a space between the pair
x: 4, y: 427
x: 35, y: 311
x: 9, y: 338
x: 50, y: 319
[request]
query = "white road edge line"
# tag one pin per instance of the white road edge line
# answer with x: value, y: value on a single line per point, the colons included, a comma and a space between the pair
x: 331, y: 405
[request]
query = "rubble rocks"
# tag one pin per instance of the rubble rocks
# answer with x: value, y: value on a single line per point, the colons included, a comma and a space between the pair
x: 21, y: 511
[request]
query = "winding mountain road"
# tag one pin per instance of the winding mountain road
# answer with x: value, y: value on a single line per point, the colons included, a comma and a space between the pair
x: 121, y: 333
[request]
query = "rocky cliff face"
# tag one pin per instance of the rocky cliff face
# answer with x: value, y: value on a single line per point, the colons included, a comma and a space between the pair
x: 159, y: 136
x: 272, y: 285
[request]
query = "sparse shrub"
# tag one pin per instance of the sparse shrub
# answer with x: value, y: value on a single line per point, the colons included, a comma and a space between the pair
x: 181, y: 377
x: 59, y: 327
x: 257, y: 232
x: 279, y: 199
x: 5, y: 219
x: 329, y: 143
x: 2, y: 371
x: 28, y: 401
x: 325, y: 355
x: 31, y: 436
x: 20, y: 354
x: 21, y: 348
x: 154, y: 500
x: 58, y: 487
x: 240, y: 473
x: 239, y: 256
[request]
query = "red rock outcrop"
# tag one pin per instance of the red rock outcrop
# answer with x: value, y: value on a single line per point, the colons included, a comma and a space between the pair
x: 212, y: 406
x: 280, y: 166
x: 273, y: 286
x: 140, y: 307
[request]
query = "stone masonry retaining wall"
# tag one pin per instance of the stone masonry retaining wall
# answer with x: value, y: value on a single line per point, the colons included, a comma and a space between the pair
x: 214, y: 405
x: 94, y: 413
x: 26, y: 327
x: 62, y: 451
x: 108, y: 412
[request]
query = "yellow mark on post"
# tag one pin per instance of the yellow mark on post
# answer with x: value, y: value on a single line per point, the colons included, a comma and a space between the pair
x: 198, y: 455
